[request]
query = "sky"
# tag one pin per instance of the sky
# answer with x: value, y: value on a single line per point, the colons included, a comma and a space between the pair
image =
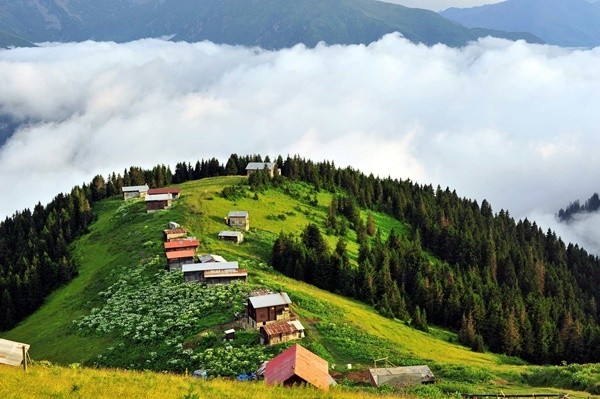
x: 439, y: 5
x: 510, y: 122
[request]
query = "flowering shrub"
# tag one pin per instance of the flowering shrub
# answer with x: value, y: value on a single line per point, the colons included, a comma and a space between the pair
x: 155, y: 312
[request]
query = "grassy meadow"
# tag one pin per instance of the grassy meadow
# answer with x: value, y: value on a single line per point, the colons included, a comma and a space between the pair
x: 122, y: 257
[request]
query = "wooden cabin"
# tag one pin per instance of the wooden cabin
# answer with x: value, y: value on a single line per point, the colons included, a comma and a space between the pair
x: 281, y: 331
x: 174, y: 233
x: 267, y: 309
x: 181, y: 244
x: 214, y: 272
x: 297, y: 365
x: 134, y: 191
x: 270, y: 167
x: 176, y: 259
x: 238, y: 220
x: 174, y: 191
x: 158, y: 202
x: 233, y: 236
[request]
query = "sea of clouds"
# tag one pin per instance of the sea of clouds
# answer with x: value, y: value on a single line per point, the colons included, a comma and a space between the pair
x: 514, y: 123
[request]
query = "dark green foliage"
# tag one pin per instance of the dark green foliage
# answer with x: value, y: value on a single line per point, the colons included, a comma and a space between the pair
x: 514, y: 279
x: 591, y: 205
x: 34, y: 252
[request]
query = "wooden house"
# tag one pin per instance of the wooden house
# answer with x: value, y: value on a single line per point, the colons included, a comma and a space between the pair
x: 233, y: 236
x: 174, y: 233
x: 401, y: 376
x: 270, y: 167
x: 267, y: 309
x: 174, y: 191
x: 238, y: 220
x: 297, y: 365
x: 214, y: 273
x: 210, y: 258
x: 281, y: 331
x: 176, y: 259
x: 181, y: 244
x: 134, y: 191
x: 158, y: 202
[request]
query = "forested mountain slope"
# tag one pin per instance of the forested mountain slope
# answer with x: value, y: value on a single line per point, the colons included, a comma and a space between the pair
x: 438, y: 259
x: 266, y: 23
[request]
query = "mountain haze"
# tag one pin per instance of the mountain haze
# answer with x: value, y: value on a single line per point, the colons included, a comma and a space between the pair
x: 266, y: 23
x: 572, y: 23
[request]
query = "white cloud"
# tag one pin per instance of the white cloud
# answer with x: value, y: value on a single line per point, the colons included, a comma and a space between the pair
x: 507, y: 121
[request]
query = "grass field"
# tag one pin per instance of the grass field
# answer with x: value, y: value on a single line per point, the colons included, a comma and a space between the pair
x: 339, y: 329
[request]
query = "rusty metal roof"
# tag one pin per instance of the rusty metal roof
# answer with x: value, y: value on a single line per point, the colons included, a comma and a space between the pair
x: 164, y: 190
x: 226, y: 273
x: 283, y: 327
x: 181, y: 243
x: 186, y: 253
x: 178, y: 230
x: 298, y: 361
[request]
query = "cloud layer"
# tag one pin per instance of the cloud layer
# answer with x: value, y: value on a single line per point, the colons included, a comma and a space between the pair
x: 511, y: 122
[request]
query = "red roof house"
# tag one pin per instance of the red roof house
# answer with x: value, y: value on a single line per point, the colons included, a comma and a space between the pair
x: 297, y: 365
x: 175, y: 259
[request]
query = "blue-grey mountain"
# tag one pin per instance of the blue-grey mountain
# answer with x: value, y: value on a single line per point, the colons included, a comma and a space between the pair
x: 267, y: 23
x: 572, y: 23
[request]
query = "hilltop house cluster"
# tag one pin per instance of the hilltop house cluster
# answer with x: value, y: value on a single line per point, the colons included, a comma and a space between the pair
x: 268, y: 312
x: 156, y: 198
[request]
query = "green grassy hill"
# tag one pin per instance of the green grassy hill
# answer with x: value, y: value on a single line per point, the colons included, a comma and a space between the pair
x: 124, y: 310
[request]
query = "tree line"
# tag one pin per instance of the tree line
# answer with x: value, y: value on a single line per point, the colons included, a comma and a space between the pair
x: 592, y: 204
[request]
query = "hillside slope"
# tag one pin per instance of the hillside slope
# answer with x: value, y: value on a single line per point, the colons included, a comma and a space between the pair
x: 266, y: 23
x: 572, y: 23
x: 121, y: 269
x: 341, y: 330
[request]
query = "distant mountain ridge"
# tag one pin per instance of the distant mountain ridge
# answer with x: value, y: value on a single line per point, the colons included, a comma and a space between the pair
x: 270, y: 24
x: 571, y: 23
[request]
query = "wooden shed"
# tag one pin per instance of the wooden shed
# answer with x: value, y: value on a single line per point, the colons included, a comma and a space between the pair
x: 266, y: 309
x: 158, y: 202
x: 176, y: 259
x: 297, y: 365
x: 233, y: 236
x: 282, y: 331
x: 134, y: 191
x: 238, y: 220
x: 13, y: 353
x: 401, y: 376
